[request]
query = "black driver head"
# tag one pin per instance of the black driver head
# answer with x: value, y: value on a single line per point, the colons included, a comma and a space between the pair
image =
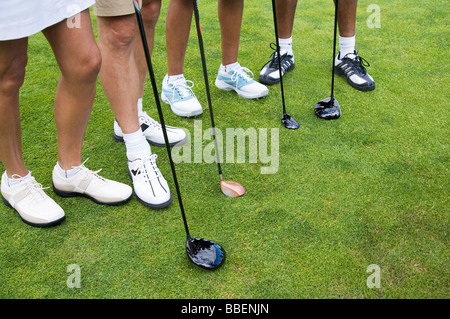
x: 289, y: 122
x: 328, y: 109
x: 205, y: 253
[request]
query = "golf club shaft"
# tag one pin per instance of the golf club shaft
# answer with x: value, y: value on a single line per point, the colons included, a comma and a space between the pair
x: 334, y: 46
x: 274, y: 10
x: 158, y: 105
x: 205, y: 75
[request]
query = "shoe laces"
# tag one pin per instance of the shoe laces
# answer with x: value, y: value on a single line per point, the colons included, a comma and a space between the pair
x: 148, y: 169
x: 183, y: 88
x: 149, y: 121
x: 242, y: 73
x: 358, y: 62
x: 32, y: 186
x: 87, y: 172
x: 273, y: 62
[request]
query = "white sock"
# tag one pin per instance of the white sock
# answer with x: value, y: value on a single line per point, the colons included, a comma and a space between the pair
x: 139, y: 106
x: 173, y: 78
x: 229, y: 67
x: 346, y: 45
x: 14, y: 181
x: 137, y: 146
x: 286, y: 45
x: 67, y: 173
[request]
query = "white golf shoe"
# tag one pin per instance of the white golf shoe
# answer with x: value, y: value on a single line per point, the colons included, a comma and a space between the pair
x: 30, y: 201
x: 89, y: 184
x: 150, y: 187
x: 180, y: 97
x: 240, y: 80
x: 153, y: 132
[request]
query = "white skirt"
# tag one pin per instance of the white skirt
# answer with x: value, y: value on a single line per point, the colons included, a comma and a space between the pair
x: 22, y: 18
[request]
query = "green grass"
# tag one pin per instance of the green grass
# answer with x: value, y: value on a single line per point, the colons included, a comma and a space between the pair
x: 369, y: 188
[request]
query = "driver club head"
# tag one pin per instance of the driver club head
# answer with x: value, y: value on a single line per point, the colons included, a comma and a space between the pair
x: 289, y: 122
x: 205, y: 253
x: 232, y: 189
x: 328, y: 109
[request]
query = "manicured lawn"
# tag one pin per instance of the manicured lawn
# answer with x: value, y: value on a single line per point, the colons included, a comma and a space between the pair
x: 369, y: 188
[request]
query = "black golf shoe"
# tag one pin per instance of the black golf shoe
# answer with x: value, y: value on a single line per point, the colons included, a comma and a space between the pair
x: 270, y: 73
x: 353, y: 68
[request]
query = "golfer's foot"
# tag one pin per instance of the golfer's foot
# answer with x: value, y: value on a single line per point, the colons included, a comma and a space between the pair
x: 150, y: 187
x: 28, y: 199
x: 240, y: 80
x: 153, y: 132
x: 270, y: 72
x: 179, y: 95
x: 89, y: 184
x: 352, y: 67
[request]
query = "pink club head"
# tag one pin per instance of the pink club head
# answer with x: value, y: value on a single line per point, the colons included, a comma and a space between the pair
x: 232, y: 189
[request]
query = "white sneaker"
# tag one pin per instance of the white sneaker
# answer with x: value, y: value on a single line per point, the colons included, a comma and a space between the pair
x: 180, y: 97
x: 150, y: 187
x: 153, y: 132
x: 88, y: 184
x: 30, y: 201
x: 240, y: 80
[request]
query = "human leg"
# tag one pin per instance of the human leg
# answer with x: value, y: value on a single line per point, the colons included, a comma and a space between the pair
x: 121, y: 83
x: 348, y: 63
x: 119, y: 73
x: 13, y: 59
x: 19, y: 189
x: 176, y: 90
x: 79, y: 60
x: 231, y: 75
x: 270, y: 73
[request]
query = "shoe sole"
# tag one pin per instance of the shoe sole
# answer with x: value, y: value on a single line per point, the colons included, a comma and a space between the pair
x: 120, y: 139
x: 178, y: 112
x: 227, y: 87
x: 42, y: 225
x: 75, y: 194
x: 268, y: 81
x: 146, y: 204
x: 155, y: 206
x: 363, y: 88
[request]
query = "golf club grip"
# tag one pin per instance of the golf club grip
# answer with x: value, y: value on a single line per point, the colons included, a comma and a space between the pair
x: 205, y: 76
x: 158, y: 106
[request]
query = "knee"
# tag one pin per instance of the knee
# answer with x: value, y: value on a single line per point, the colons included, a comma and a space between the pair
x: 12, y: 74
x: 151, y: 9
x: 85, y: 67
x: 92, y: 63
x: 118, y: 33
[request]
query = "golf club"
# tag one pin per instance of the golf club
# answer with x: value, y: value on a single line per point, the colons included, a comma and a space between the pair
x: 287, y: 120
x: 328, y: 108
x: 202, y: 252
x: 229, y: 188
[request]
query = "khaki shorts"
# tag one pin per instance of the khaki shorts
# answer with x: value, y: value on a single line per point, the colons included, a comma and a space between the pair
x: 111, y: 8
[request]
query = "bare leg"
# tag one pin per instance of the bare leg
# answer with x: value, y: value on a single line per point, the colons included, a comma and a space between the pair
x: 13, y: 59
x: 285, y: 17
x: 347, y: 17
x: 230, y: 18
x: 178, y: 24
x: 119, y: 73
x: 79, y: 59
x: 150, y: 13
